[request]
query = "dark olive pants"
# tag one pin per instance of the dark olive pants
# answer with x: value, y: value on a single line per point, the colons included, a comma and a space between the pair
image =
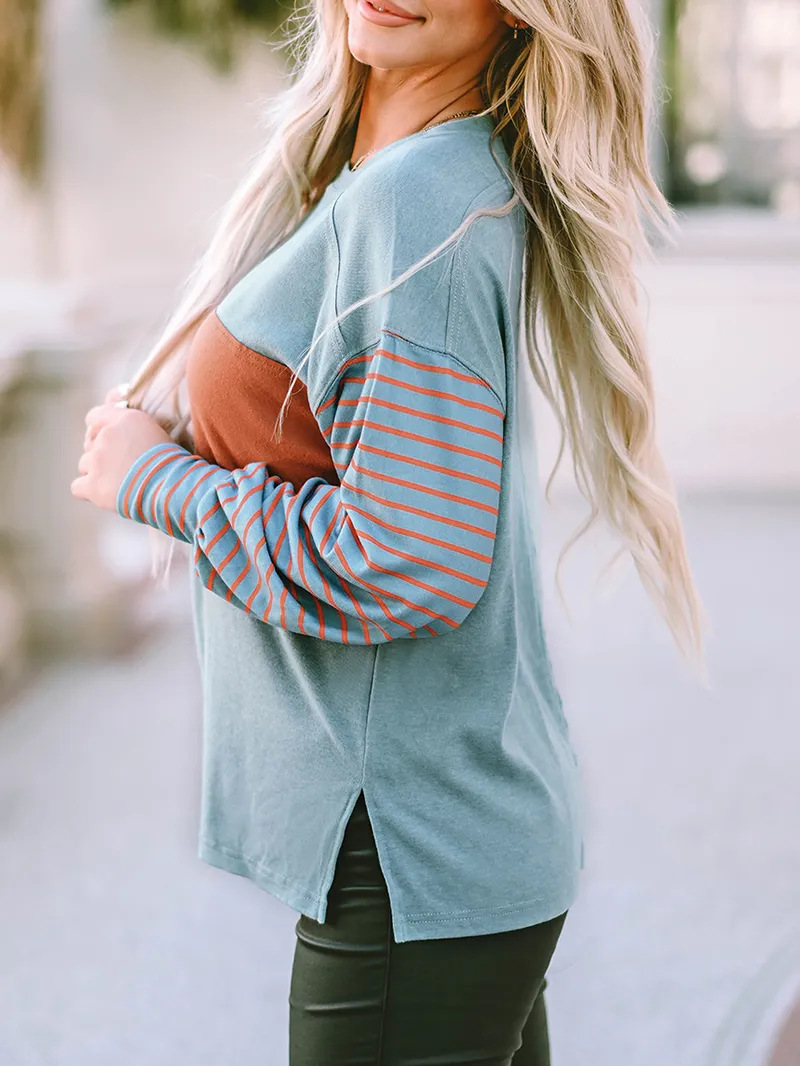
x: 358, y: 998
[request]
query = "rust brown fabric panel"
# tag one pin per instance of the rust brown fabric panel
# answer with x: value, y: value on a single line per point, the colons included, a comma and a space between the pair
x: 235, y: 395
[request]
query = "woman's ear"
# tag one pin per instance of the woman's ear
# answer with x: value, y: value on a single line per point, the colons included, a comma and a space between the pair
x: 512, y: 21
x: 510, y: 18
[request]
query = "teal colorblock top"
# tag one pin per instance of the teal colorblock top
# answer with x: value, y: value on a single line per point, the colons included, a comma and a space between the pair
x: 366, y: 588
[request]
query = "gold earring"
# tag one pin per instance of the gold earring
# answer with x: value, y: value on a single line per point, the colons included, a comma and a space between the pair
x: 515, y: 31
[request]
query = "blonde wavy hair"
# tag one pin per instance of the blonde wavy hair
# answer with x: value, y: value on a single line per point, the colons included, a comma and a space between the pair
x: 570, y: 99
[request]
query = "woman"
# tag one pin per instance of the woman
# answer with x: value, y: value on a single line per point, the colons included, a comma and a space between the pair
x: 384, y: 744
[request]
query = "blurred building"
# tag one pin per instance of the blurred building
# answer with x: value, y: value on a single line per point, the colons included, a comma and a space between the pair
x: 143, y: 142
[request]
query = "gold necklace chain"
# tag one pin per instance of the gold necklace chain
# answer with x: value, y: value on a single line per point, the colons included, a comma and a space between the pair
x: 449, y: 118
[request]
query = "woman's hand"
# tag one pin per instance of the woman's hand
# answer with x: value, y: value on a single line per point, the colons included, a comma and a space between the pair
x: 115, y: 438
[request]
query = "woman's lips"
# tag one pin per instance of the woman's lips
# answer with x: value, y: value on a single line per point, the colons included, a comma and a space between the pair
x: 386, y: 17
x: 394, y: 9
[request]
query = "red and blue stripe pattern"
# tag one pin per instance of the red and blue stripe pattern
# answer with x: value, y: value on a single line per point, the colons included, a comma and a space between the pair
x: 402, y: 547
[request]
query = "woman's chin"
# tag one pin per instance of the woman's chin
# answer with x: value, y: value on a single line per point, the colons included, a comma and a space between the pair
x: 374, y: 50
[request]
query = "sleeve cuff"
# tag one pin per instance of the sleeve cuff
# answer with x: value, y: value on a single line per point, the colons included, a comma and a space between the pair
x: 164, y: 487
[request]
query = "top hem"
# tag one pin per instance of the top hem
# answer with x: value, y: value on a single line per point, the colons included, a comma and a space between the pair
x: 405, y: 927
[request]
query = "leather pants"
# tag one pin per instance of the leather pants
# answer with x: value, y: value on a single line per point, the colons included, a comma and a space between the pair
x: 358, y: 998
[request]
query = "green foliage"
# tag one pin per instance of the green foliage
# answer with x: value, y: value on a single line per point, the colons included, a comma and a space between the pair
x: 211, y: 22
x: 17, y: 394
x: 21, y: 86
x: 19, y: 390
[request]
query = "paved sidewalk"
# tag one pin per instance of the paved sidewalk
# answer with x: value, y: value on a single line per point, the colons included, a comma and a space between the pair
x: 118, y: 946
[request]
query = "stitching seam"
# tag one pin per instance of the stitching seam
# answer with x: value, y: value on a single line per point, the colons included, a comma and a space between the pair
x: 456, y: 252
x: 329, y: 388
x: 465, y: 916
x: 257, y: 864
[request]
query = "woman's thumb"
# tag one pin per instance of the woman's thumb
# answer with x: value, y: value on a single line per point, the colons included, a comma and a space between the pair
x: 119, y: 392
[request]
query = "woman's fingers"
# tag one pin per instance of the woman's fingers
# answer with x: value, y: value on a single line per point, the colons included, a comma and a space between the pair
x: 112, y: 397
x: 79, y: 488
x: 119, y: 392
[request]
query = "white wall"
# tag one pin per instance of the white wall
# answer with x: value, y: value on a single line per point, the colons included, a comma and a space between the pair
x: 146, y: 143
x: 723, y: 316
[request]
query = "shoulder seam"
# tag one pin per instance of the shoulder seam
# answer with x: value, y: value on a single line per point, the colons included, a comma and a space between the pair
x: 453, y: 258
x: 347, y: 355
x: 464, y: 239
x: 463, y: 244
x: 456, y: 359
x: 330, y: 386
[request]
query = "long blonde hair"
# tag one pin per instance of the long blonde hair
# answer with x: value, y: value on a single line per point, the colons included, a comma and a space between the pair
x: 570, y: 99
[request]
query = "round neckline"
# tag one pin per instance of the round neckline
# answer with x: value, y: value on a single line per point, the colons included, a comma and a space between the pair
x: 348, y: 170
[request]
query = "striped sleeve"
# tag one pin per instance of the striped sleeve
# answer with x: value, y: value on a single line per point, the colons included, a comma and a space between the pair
x: 402, y: 547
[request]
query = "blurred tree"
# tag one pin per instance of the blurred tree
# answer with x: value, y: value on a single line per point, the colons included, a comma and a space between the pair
x: 211, y: 22
x: 21, y: 86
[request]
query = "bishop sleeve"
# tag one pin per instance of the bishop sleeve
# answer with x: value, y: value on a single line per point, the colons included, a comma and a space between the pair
x: 402, y: 547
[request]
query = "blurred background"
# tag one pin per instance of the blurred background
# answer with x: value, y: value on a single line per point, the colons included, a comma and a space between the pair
x: 123, y: 129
